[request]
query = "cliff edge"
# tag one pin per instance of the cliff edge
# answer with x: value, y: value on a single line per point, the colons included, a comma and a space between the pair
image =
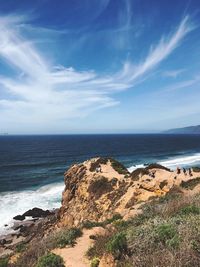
x: 100, y: 187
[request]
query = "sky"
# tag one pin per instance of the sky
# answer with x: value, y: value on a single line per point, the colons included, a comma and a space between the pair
x: 99, y: 66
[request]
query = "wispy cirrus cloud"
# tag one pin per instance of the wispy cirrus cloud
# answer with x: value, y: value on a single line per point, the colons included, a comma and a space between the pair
x: 46, y: 92
x: 181, y: 85
x: 173, y: 73
x: 163, y: 49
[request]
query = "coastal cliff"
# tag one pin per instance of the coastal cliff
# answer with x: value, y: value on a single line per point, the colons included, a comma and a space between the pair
x: 111, y: 217
x: 96, y: 196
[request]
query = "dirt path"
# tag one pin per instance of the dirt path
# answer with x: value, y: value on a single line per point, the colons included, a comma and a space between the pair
x: 75, y: 256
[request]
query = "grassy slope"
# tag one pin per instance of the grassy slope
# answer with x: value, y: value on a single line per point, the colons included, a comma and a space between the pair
x: 166, y: 234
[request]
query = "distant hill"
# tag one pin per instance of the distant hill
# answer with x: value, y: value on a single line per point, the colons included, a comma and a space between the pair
x: 185, y: 130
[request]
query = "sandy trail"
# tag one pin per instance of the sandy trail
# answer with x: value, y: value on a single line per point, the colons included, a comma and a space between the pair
x: 75, y: 256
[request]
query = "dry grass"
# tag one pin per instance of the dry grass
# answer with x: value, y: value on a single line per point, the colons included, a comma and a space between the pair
x: 167, y: 234
x: 39, y: 247
x: 98, y: 249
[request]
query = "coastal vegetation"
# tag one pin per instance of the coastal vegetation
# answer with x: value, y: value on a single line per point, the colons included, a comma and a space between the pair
x: 191, y: 183
x: 4, y: 262
x: 167, y: 233
x: 50, y: 260
x: 90, y: 224
x: 39, y: 250
x: 65, y: 237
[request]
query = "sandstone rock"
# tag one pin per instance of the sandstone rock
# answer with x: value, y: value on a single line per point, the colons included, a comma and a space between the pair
x: 101, y: 187
x: 91, y: 195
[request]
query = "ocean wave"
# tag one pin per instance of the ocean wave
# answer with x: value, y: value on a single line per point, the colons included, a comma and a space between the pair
x: 172, y: 163
x: 134, y: 167
x: 181, y: 161
x: 14, y: 203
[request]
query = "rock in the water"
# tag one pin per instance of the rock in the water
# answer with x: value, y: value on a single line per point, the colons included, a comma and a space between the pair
x: 37, y: 212
x: 19, y: 217
x: 2, y: 242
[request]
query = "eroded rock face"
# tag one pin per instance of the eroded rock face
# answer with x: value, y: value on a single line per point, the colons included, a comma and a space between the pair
x: 100, y: 187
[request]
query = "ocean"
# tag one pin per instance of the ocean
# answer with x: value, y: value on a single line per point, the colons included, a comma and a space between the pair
x: 32, y: 167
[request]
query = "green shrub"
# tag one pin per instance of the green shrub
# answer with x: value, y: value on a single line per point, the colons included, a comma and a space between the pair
x: 114, y: 218
x: 91, y: 252
x: 121, y: 224
x: 95, y: 262
x: 117, y: 245
x: 140, y: 219
x: 118, y: 167
x: 99, y: 246
x: 167, y: 198
x: 196, y: 169
x: 167, y: 234
x: 196, y: 245
x: 174, y: 242
x: 90, y: 224
x: 191, y: 209
x: 20, y: 248
x: 4, y: 262
x: 50, y: 260
x: 135, y: 175
x: 67, y: 237
x: 191, y: 183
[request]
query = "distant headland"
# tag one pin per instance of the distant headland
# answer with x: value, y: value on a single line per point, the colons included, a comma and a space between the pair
x: 185, y: 130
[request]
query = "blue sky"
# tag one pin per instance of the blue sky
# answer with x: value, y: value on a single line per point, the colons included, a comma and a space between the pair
x: 99, y: 66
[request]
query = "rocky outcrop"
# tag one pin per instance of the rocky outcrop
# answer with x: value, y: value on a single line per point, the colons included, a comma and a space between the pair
x: 34, y: 213
x: 23, y: 231
x: 99, y: 188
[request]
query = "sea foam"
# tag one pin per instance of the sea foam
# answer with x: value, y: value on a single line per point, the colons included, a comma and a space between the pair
x: 172, y: 163
x: 14, y: 203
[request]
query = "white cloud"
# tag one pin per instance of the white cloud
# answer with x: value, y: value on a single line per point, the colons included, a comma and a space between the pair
x: 55, y: 93
x: 182, y: 84
x: 164, y: 48
x: 172, y: 73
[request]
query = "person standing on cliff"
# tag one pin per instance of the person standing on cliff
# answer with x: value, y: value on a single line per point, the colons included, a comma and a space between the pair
x: 178, y: 170
x: 98, y: 169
